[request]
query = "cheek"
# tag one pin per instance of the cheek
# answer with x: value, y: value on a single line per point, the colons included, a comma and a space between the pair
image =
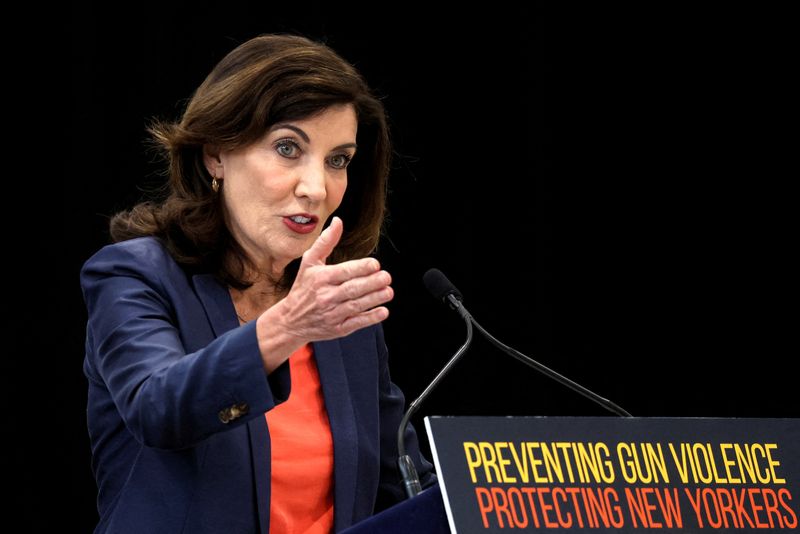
x: 242, y: 202
x: 336, y: 192
x: 259, y: 190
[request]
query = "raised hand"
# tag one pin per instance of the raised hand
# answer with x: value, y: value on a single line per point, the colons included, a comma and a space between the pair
x: 330, y: 301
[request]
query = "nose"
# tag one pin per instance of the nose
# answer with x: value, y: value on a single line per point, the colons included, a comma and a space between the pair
x: 311, y: 183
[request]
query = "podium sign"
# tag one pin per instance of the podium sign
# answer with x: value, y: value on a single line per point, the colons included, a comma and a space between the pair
x: 617, y: 474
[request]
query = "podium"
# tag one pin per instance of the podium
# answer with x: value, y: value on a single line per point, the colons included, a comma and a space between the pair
x: 620, y: 475
x: 423, y: 514
x: 603, y: 474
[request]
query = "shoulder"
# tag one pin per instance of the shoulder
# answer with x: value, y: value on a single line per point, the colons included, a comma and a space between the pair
x: 141, y: 249
x: 142, y: 256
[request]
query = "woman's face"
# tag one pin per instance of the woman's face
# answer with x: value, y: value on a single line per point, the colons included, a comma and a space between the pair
x: 279, y: 191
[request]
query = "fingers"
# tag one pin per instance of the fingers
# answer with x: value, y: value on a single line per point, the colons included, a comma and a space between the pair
x: 324, y: 244
x: 377, y: 283
x: 369, y: 300
x: 362, y: 320
x: 323, y: 247
x: 356, y: 295
x: 357, y: 277
x: 321, y: 310
x: 349, y: 270
x: 358, y: 313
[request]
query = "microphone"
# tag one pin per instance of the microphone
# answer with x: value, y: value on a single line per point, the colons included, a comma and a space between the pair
x: 441, y: 288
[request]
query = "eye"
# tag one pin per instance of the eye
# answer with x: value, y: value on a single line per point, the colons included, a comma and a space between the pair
x: 340, y: 161
x: 287, y: 148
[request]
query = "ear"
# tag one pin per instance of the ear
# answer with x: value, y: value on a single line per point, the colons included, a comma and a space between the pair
x: 212, y: 161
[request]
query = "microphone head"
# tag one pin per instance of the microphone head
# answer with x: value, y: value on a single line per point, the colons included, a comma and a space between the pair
x: 439, y: 286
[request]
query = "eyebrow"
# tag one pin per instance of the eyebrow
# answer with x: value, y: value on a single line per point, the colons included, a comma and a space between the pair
x: 305, y: 137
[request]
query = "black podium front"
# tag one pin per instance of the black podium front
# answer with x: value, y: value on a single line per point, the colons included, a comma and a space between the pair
x: 423, y: 514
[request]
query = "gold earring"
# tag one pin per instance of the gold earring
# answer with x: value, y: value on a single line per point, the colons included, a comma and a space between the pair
x: 215, y: 185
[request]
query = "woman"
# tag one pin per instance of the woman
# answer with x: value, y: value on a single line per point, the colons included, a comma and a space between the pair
x: 237, y: 371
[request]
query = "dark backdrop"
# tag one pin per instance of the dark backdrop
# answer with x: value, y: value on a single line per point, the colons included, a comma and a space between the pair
x: 609, y: 190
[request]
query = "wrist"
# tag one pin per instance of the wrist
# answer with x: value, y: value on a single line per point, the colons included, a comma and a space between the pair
x: 275, y: 340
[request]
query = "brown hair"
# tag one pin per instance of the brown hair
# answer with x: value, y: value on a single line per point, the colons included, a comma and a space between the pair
x: 266, y: 80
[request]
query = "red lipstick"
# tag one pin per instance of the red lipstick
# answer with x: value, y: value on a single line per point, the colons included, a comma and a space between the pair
x: 302, y: 223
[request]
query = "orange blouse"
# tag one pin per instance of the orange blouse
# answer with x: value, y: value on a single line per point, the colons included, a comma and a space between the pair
x: 301, y: 493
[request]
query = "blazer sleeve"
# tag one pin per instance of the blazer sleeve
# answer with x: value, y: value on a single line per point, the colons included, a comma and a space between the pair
x: 392, y: 409
x: 168, y: 398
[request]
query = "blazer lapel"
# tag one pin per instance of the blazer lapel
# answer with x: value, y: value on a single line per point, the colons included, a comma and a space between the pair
x: 341, y: 416
x: 216, y: 302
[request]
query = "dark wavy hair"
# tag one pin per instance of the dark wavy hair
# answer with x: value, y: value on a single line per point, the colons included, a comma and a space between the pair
x: 264, y: 81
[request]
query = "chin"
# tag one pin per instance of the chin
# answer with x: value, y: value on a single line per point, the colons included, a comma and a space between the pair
x: 294, y: 253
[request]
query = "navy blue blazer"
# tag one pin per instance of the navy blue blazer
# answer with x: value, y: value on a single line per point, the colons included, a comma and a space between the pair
x: 177, y: 395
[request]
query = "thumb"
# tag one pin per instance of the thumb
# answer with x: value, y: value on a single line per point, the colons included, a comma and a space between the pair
x: 324, y: 244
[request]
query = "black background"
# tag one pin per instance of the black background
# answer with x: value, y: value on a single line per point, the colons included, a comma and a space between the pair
x: 612, y: 190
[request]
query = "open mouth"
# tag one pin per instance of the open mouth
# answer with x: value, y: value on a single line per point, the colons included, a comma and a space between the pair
x: 301, y: 223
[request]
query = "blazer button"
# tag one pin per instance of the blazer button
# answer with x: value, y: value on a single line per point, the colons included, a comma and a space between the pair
x: 225, y: 416
x: 238, y: 410
x: 233, y: 412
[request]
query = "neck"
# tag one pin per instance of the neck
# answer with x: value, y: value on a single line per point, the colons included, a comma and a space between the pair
x: 255, y: 300
x: 264, y: 291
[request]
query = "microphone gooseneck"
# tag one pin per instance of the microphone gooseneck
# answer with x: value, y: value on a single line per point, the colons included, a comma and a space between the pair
x: 441, y: 288
x: 591, y: 395
x: 408, y: 472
